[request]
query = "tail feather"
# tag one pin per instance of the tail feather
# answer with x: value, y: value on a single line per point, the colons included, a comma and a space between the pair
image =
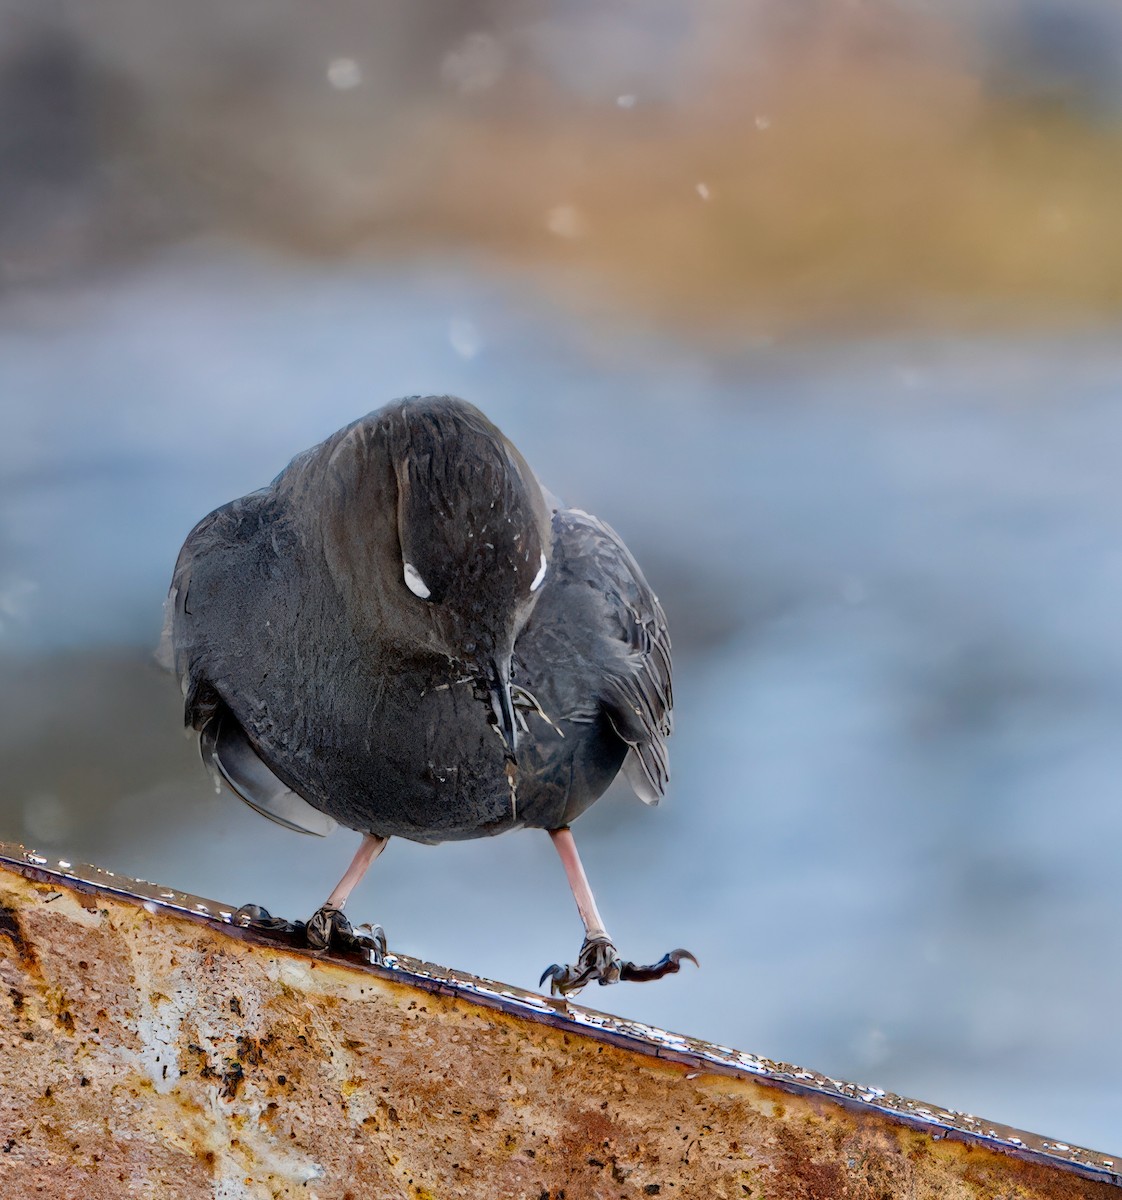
x: 232, y: 760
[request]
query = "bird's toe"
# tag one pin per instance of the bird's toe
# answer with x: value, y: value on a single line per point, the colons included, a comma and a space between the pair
x: 668, y: 964
x: 253, y: 916
x: 372, y: 940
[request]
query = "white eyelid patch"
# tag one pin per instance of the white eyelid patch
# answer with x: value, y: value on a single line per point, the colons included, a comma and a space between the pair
x: 415, y: 583
x: 539, y: 576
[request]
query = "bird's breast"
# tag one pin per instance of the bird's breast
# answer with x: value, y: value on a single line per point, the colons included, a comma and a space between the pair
x: 412, y: 753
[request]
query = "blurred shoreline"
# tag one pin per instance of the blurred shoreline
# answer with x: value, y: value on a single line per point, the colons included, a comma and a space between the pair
x: 745, y: 171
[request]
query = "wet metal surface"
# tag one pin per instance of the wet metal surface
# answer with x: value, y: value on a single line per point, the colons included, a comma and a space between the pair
x: 144, y: 1038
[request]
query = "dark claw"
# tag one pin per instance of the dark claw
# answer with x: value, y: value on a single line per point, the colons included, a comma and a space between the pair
x: 668, y: 964
x: 372, y: 940
x: 250, y: 914
x: 253, y: 916
x: 565, y: 978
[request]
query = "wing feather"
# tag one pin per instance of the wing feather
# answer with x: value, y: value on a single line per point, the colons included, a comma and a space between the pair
x: 186, y: 648
x: 637, y: 681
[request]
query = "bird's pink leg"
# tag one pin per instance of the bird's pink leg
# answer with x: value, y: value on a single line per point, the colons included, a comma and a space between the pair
x: 578, y: 881
x: 599, y: 959
x: 371, y: 847
x: 327, y: 927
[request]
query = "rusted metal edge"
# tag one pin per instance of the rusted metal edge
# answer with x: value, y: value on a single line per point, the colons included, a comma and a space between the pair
x: 934, y: 1120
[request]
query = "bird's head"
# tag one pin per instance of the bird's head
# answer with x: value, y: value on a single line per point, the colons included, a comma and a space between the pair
x: 474, y: 531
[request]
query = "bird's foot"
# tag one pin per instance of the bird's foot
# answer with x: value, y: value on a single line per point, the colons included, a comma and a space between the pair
x: 600, y: 960
x: 327, y: 929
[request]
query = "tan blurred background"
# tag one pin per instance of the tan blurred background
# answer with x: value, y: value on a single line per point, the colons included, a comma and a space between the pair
x: 816, y: 301
x: 727, y: 165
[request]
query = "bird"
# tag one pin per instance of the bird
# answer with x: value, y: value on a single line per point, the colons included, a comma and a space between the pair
x: 407, y: 635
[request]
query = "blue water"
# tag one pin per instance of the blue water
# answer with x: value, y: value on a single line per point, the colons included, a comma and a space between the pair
x: 893, y: 572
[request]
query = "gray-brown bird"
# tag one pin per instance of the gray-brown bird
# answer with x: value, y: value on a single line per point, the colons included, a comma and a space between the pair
x: 407, y: 635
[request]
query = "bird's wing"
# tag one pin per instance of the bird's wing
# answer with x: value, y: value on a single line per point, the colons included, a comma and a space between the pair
x: 636, y: 677
x: 183, y: 642
x: 187, y: 648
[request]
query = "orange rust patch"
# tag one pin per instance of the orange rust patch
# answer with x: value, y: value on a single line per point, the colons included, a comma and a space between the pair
x: 12, y: 929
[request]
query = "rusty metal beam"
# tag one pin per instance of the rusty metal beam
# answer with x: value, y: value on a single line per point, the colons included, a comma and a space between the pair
x: 150, y: 1047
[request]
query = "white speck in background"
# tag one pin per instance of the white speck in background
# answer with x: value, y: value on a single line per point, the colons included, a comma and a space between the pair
x: 475, y: 65
x: 463, y: 336
x: 15, y: 600
x: 45, y: 818
x: 911, y: 378
x: 565, y: 221
x: 344, y: 74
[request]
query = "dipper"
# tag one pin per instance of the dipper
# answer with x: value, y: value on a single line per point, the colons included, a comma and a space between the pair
x: 407, y: 635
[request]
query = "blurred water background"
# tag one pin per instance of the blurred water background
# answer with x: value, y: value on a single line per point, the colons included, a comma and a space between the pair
x: 819, y: 304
